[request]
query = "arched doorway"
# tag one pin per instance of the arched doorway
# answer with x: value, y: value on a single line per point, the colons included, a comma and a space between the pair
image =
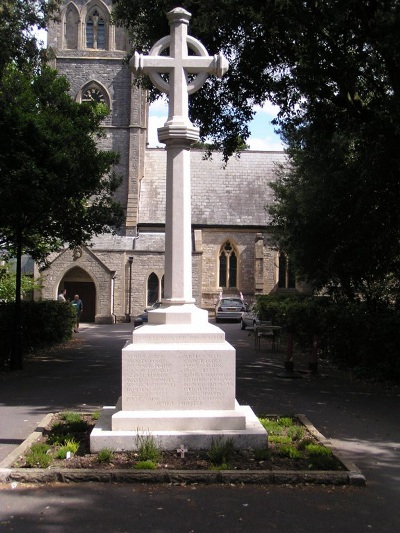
x: 78, y: 281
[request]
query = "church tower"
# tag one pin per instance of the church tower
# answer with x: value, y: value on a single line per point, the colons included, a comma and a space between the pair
x: 89, y: 50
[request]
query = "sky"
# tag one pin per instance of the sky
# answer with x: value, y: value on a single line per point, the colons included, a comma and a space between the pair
x: 262, y: 132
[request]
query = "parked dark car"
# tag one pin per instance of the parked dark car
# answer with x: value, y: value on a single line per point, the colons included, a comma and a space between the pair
x: 229, y: 309
x: 143, y: 318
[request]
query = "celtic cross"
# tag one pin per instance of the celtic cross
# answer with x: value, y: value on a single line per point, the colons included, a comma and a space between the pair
x: 186, y: 74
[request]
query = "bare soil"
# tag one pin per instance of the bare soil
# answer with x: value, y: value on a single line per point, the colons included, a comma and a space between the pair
x: 249, y: 460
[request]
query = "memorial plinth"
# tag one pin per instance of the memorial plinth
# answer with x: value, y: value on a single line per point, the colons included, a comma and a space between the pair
x: 178, y: 373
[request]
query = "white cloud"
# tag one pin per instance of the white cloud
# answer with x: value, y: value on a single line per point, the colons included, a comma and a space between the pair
x: 268, y: 109
x: 269, y: 144
x: 155, y: 122
x: 262, y: 138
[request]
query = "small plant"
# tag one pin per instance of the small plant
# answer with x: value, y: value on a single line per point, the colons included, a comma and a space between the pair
x: 280, y: 439
x: 261, y: 454
x: 296, y: 432
x: 147, y: 447
x: 74, y: 422
x: 69, y: 446
x: 221, y: 450
x: 105, y: 455
x: 38, y: 456
x: 271, y: 426
x: 320, y: 457
x: 96, y: 415
x: 290, y: 451
x: 145, y: 465
x: 302, y: 445
x: 285, y: 421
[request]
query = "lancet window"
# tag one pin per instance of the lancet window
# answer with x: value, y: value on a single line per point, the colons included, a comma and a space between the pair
x: 95, y: 30
x: 228, y: 264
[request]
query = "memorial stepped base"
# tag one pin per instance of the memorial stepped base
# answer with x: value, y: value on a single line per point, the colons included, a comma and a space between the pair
x: 178, y: 383
x: 253, y: 436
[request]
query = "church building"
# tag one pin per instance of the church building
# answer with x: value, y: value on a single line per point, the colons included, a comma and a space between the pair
x: 117, y: 276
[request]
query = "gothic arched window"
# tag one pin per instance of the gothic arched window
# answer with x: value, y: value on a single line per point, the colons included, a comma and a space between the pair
x: 71, y: 28
x: 95, y: 31
x: 153, y: 287
x: 228, y: 265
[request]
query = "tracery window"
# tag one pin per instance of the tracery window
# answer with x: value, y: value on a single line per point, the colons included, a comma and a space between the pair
x: 95, y: 31
x: 228, y: 266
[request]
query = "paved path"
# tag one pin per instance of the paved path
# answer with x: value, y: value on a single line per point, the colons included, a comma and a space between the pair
x: 362, y: 421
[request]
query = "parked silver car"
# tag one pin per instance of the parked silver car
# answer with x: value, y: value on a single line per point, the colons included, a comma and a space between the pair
x: 249, y: 318
x: 229, y: 309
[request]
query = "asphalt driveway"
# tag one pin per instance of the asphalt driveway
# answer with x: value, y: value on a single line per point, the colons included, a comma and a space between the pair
x: 362, y: 421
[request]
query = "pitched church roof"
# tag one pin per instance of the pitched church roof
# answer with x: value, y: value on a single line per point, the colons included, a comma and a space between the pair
x: 235, y: 195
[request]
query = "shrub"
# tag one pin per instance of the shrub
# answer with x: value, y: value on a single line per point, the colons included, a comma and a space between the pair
x: 45, y: 323
x: 354, y: 335
x: 221, y: 450
x: 38, y: 456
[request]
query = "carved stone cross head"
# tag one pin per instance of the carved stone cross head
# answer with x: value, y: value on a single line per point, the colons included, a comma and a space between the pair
x: 179, y: 65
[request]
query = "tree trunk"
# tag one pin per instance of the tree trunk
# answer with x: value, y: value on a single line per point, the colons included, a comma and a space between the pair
x: 16, y: 361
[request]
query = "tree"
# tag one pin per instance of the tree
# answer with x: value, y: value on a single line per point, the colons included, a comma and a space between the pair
x: 333, y: 68
x: 8, y: 282
x: 57, y: 185
x: 18, y: 19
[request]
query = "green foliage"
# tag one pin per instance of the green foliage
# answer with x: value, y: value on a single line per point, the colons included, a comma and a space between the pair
x: 74, y: 422
x: 280, y: 439
x: 221, y: 451
x: 70, y: 445
x: 147, y: 447
x: 320, y: 457
x: 288, y: 450
x: 59, y: 434
x: 8, y: 284
x: 38, y: 456
x: 57, y: 185
x: 332, y: 70
x: 45, y: 323
x: 18, y: 43
x: 145, y: 465
x: 351, y: 334
x: 285, y: 421
x: 105, y: 455
x: 296, y: 433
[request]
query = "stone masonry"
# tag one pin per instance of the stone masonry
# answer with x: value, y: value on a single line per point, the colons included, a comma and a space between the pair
x: 228, y: 202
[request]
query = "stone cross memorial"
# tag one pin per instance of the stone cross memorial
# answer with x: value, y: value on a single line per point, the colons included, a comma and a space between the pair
x: 178, y: 373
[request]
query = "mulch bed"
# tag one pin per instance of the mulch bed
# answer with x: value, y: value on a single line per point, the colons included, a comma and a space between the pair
x: 194, y: 460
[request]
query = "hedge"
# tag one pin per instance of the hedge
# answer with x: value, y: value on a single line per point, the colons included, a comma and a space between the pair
x: 350, y: 334
x: 44, y: 324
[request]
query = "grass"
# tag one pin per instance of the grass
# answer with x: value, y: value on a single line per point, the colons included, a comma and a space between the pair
x: 290, y: 447
x: 105, y: 455
x: 147, y: 447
